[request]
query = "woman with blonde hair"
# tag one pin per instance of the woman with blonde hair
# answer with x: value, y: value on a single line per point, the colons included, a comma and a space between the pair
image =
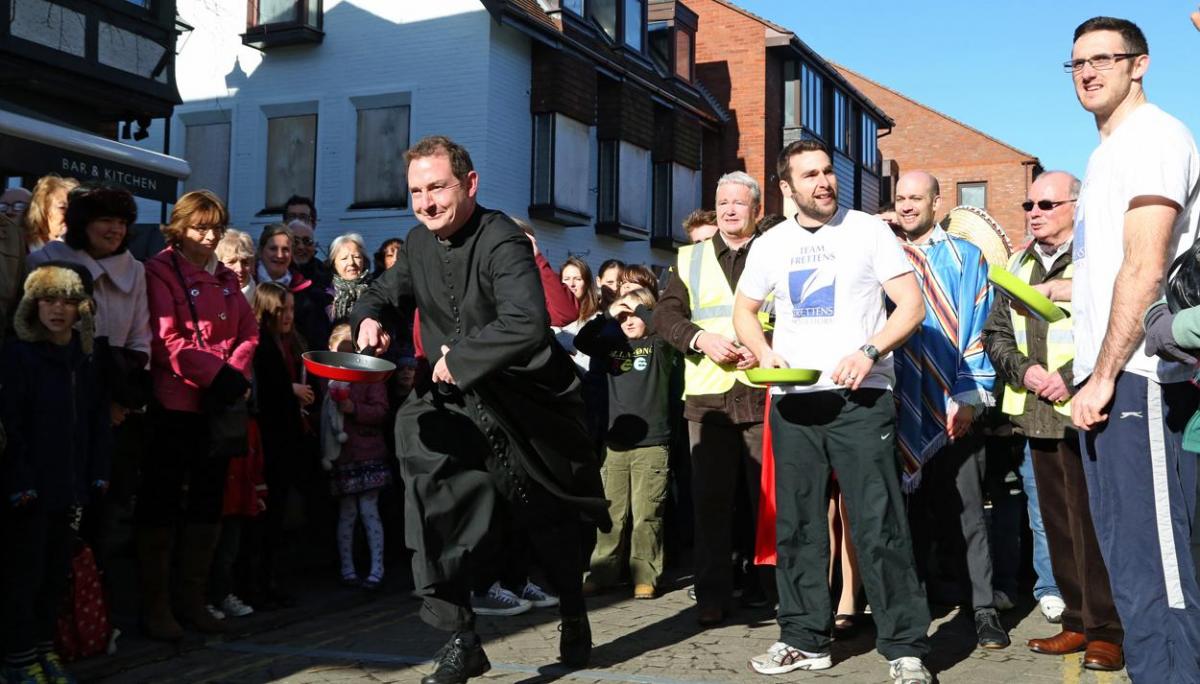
x: 236, y: 251
x: 46, y: 217
x: 201, y: 358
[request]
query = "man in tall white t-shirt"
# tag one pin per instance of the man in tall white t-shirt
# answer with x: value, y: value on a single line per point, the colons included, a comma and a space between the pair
x: 1132, y: 219
x: 828, y: 269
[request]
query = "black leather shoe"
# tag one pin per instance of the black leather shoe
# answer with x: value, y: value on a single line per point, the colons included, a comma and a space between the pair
x: 459, y: 660
x: 991, y: 633
x: 575, y: 644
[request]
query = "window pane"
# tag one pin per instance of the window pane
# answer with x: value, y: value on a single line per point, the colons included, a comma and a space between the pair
x: 606, y: 210
x: 206, y: 147
x: 813, y: 100
x: 291, y: 158
x: 869, y: 144
x: 314, y: 13
x: 575, y: 6
x: 841, y: 122
x: 658, y: 36
x: 379, y: 171
x: 660, y: 201
x: 145, y: 4
x: 604, y: 12
x: 275, y: 11
x: 543, y: 157
x: 683, y: 54
x: 633, y: 24
x: 973, y: 194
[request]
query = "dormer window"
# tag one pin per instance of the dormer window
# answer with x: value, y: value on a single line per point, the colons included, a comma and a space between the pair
x: 672, y: 39
x: 272, y: 23
x: 622, y: 21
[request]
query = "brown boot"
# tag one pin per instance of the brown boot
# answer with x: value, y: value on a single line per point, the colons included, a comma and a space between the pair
x: 154, y: 559
x: 199, y: 542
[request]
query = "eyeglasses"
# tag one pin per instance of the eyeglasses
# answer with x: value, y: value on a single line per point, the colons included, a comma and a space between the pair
x: 15, y: 206
x: 298, y: 217
x: 437, y: 193
x: 216, y: 229
x: 1100, y: 62
x: 306, y: 241
x: 1044, y: 205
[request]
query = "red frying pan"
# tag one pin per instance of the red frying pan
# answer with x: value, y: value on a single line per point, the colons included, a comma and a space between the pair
x: 347, y: 366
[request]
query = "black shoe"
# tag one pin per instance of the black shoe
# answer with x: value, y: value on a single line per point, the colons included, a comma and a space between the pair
x: 987, y: 626
x: 459, y: 660
x: 575, y: 644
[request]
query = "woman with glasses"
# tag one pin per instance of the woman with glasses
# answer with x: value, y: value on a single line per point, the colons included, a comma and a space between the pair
x: 201, y: 356
x: 46, y: 217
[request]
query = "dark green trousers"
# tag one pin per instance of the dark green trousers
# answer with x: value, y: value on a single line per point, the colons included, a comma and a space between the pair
x: 851, y: 434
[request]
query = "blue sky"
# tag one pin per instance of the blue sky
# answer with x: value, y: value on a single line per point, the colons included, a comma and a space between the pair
x: 996, y: 65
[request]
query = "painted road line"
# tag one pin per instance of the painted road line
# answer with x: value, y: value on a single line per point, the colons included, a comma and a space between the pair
x: 398, y: 659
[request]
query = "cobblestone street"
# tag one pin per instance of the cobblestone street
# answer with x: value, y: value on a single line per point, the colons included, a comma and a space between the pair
x: 646, y: 642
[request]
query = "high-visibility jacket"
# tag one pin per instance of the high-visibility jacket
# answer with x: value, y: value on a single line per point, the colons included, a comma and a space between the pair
x: 1060, y: 340
x: 711, y: 301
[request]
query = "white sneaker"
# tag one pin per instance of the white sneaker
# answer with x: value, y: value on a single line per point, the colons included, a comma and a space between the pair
x: 499, y: 601
x: 908, y: 670
x: 1001, y: 601
x: 234, y: 607
x: 781, y: 658
x: 213, y: 611
x: 1052, y: 608
x: 540, y: 598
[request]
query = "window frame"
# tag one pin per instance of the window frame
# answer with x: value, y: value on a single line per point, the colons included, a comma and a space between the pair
x: 547, y: 208
x: 367, y: 103
x: 971, y: 185
x: 662, y: 234
x: 281, y: 111
x: 303, y: 29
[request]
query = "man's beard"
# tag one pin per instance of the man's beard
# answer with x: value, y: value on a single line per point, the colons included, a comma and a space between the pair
x: 808, y: 207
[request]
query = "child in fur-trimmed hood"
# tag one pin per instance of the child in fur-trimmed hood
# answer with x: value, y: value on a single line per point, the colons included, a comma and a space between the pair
x: 59, y: 438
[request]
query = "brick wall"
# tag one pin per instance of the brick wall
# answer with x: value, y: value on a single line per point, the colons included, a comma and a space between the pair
x: 954, y: 153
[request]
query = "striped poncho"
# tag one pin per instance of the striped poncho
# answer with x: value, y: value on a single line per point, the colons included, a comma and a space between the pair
x: 944, y: 360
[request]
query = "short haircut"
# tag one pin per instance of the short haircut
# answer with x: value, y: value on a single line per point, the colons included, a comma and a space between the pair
x: 37, y: 216
x: 768, y: 222
x: 783, y: 164
x: 429, y: 146
x: 1073, y: 187
x: 344, y: 241
x: 88, y: 203
x: 341, y: 332
x: 641, y: 296
x: 300, y: 199
x: 235, y: 245
x: 271, y: 230
x: 699, y: 217
x: 744, y: 179
x: 198, y: 207
x: 1131, y: 35
x: 641, y: 275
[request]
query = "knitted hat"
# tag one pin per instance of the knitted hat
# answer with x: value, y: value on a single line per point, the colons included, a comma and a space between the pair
x: 56, y: 279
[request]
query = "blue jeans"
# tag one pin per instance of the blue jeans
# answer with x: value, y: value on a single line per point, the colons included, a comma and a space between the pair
x: 1006, y: 534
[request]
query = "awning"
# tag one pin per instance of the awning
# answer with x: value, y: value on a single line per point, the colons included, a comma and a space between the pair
x: 35, y: 147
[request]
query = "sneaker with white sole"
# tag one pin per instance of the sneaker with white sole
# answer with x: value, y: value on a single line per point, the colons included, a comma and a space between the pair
x: 781, y: 658
x: 499, y: 601
x: 539, y: 597
x: 215, y: 612
x: 234, y: 607
x: 908, y: 670
x: 1052, y: 608
x: 1001, y: 601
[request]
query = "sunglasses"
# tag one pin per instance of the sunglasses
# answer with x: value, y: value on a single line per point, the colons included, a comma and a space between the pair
x: 1044, y: 205
x: 15, y: 206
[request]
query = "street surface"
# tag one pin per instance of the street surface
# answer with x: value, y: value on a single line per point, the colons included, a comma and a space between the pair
x: 644, y: 642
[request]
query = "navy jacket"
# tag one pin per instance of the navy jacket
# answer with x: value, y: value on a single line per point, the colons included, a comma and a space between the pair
x: 56, y: 414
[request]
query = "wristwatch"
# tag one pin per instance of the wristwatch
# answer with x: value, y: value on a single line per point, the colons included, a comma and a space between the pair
x: 870, y: 352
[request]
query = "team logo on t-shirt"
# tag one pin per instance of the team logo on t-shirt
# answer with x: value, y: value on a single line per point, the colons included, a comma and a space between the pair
x: 812, y: 292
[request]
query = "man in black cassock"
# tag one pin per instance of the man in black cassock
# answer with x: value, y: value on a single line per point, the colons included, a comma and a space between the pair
x: 500, y: 439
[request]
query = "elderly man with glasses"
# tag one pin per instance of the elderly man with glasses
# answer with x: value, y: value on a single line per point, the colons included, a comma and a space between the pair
x: 1033, y: 359
x: 300, y: 215
x: 1133, y: 219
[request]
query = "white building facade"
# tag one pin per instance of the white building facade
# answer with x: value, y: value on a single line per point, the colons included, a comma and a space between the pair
x: 331, y: 120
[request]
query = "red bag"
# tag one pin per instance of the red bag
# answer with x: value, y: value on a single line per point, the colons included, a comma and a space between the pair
x: 83, y: 626
x: 764, y: 546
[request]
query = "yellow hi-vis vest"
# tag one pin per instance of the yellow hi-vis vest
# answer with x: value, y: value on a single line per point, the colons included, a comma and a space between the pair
x: 1060, y: 341
x: 711, y: 300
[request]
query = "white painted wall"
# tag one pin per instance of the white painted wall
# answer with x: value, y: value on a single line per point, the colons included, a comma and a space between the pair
x: 465, y: 76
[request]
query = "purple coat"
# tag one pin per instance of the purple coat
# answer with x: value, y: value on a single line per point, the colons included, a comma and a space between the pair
x: 364, y: 428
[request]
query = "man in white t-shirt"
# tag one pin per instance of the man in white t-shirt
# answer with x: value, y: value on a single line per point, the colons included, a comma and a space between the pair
x: 1132, y: 219
x: 829, y: 269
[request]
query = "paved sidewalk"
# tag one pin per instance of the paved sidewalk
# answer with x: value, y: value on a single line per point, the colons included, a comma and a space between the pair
x: 645, y: 642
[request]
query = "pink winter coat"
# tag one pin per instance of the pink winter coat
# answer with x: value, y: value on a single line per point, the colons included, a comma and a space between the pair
x: 364, y: 428
x: 179, y: 367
